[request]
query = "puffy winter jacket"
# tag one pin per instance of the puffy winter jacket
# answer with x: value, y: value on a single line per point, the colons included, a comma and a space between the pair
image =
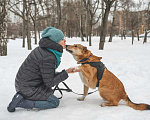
x: 37, y: 76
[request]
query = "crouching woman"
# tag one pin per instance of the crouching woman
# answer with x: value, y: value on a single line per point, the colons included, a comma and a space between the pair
x: 37, y: 76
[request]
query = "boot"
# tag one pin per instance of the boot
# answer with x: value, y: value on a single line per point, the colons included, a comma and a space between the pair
x: 16, y: 99
x: 19, y: 101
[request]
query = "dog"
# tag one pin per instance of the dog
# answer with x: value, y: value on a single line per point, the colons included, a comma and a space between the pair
x: 110, y: 87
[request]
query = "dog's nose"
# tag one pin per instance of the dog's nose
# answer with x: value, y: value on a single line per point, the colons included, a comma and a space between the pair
x: 67, y: 46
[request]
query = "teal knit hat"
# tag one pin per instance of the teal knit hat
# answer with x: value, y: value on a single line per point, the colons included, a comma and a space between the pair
x: 54, y: 34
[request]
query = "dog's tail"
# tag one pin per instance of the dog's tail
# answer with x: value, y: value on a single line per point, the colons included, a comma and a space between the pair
x: 135, y: 106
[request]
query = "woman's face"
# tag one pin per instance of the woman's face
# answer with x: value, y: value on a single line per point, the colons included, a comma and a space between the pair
x: 63, y: 43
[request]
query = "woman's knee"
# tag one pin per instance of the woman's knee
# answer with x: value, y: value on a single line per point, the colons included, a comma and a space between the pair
x: 54, y: 100
x: 57, y: 103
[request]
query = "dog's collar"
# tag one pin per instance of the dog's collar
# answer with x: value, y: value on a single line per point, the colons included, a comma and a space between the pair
x: 84, y: 59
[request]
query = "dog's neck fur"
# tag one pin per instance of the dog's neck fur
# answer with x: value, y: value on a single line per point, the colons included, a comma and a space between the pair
x: 92, y: 58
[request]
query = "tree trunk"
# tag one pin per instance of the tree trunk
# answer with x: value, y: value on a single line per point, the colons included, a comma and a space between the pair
x: 59, y: 12
x: 102, y: 4
x: 138, y: 34
x: 104, y: 23
x: 81, y: 23
x: 28, y: 35
x: 39, y: 34
x: 121, y: 34
x: 132, y: 36
x: 113, y: 22
x: 79, y: 16
x: 28, y: 29
x: 90, y: 33
x: 35, y: 32
x: 24, y: 33
x: 124, y: 35
x: 3, y: 28
x: 145, y: 37
x: 24, y: 24
x: 35, y: 22
x: 87, y: 26
x: 81, y: 31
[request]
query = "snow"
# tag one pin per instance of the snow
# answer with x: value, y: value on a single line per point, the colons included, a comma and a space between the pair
x: 130, y: 63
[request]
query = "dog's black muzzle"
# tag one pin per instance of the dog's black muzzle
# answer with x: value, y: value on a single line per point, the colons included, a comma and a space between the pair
x: 68, y: 49
x: 67, y: 46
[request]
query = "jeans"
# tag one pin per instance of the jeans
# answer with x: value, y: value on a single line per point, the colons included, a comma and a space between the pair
x: 52, y: 102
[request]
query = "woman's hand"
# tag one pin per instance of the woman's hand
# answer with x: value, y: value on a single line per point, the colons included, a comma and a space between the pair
x: 72, y: 70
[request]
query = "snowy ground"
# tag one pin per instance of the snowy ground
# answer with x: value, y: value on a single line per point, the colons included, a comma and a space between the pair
x: 130, y: 63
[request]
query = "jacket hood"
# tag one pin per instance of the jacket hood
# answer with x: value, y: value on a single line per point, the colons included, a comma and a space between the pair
x: 48, y: 43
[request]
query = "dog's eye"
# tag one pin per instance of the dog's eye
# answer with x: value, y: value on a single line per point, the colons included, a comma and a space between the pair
x: 75, y: 46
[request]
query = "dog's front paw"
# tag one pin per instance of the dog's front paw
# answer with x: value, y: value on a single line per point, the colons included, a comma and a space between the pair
x: 75, y: 68
x: 81, y: 98
x: 104, y: 99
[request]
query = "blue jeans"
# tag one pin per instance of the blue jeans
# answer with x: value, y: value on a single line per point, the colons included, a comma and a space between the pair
x: 52, y: 102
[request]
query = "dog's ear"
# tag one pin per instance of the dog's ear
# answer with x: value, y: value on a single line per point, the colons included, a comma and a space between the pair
x: 85, y: 49
x: 99, y: 58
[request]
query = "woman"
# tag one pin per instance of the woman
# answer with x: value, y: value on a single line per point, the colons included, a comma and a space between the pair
x: 37, y: 76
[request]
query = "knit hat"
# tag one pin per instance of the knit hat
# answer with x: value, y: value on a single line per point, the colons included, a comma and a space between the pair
x: 54, y: 34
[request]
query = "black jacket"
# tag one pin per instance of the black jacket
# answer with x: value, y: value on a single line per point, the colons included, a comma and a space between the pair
x: 37, y: 76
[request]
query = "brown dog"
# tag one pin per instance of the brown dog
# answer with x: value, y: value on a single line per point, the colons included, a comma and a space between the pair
x: 110, y: 87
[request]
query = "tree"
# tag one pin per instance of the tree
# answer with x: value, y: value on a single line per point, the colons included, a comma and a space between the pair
x: 91, y: 7
x: 28, y: 8
x: 34, y: 19
x: 108, y: 4
x: 133, y: 20
x: 79, y: 12
x: 59, y: 12
x: 139, y: 18
x: 3, y: 28
x: 24, y: 13
x: 113, y: 22
x: 147, y: 22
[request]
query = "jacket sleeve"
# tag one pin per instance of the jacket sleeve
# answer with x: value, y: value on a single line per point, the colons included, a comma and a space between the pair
x: 47, y: 69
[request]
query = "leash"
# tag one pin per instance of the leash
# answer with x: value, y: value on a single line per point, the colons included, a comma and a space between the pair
x: 68, y: 90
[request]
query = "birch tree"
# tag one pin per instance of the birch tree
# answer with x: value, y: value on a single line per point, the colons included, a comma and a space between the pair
x: 3, y: 28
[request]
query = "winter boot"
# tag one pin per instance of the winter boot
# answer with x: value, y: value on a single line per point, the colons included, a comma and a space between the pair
x: 16, y: 99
